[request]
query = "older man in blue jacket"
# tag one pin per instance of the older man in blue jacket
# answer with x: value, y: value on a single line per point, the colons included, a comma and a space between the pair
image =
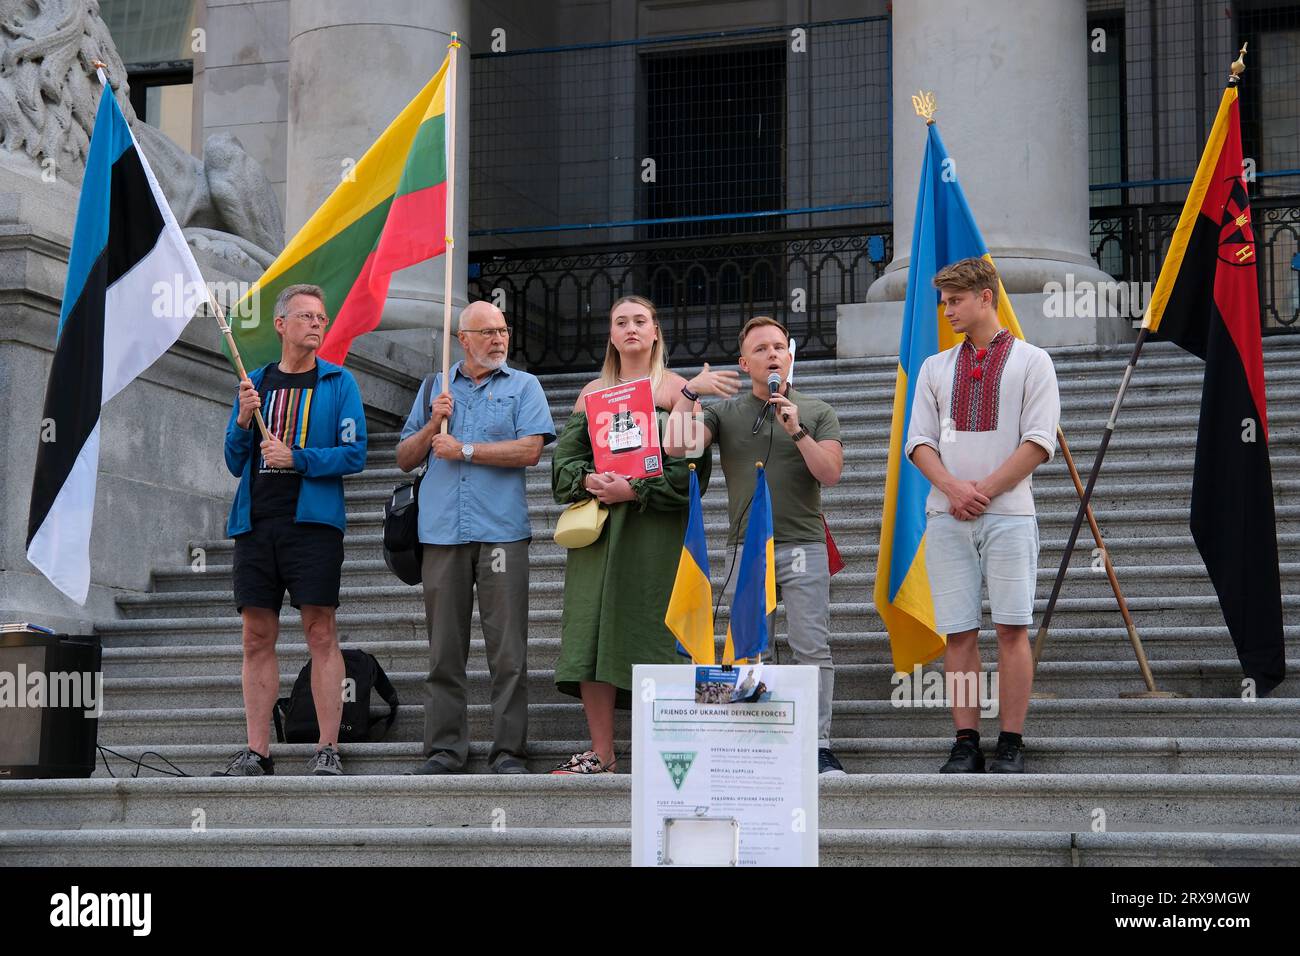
x: 288, y: 520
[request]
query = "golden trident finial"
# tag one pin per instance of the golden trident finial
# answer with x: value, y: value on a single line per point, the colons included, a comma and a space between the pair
x: 1238, y: 65
x: 923, y: 103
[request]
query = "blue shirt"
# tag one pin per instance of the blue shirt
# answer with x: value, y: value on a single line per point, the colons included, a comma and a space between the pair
x: 335, y: 446
x: 462, y: 502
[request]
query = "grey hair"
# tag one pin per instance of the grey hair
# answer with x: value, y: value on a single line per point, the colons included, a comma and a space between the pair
x: 288, y: 292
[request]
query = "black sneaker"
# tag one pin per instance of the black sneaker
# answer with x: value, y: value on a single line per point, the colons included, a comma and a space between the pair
x: 827, y: 764
x: 965, y: 757
x: 1009, y: 758
x: 325, y: 763
x: 247, y: 763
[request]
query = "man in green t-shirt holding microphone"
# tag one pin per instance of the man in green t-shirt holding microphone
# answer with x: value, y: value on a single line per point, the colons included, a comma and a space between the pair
x: 797, y: 438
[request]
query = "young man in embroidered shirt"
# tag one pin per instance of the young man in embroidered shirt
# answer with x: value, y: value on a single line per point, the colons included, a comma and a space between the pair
x: 983, y: 418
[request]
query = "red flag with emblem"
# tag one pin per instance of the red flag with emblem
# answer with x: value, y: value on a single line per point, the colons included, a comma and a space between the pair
x: 1207, y: 301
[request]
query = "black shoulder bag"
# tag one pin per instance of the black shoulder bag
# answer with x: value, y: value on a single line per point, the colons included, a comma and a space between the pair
x: 403, y: 553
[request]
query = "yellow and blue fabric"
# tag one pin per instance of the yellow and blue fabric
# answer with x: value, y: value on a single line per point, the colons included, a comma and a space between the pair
x: 690, y: 608
x: 755, y: 594
x: 943, y: 232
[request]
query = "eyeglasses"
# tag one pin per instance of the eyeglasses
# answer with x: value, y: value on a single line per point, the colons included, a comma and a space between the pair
x: 311, y: 317
x: 486, y: 334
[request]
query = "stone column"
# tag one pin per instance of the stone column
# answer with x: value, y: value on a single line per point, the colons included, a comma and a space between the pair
x: 241, y: 80
x: 347, y: 81
x: 1011, y: 83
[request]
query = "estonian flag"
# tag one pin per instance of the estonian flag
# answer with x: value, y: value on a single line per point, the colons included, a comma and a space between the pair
x: 755, y: 595
x: 130, y: 274
x: 690, y: 608
x: 1207, y: 301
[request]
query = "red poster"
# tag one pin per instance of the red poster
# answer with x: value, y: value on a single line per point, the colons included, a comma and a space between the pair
x: 624, y: 430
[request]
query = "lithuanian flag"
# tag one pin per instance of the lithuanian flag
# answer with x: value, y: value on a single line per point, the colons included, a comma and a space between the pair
x: 389, y: 212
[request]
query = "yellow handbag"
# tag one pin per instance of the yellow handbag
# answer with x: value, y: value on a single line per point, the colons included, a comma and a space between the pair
x: 580, y: 524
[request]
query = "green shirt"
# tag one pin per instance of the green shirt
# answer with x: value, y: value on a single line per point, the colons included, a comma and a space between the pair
x: 796, y: 494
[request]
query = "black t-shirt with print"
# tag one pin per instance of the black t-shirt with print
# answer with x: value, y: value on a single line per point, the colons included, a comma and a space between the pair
x: 286, y: 406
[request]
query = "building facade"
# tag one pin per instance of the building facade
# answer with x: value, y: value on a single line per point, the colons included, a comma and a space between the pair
x: 725, y: 158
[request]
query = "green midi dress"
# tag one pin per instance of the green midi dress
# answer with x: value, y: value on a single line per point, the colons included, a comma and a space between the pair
x: 616, y: 590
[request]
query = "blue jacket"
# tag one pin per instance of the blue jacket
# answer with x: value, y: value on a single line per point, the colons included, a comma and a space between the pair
x: 336, y: 446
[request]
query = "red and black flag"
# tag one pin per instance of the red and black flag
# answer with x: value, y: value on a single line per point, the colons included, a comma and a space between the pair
x: 1207, y: 301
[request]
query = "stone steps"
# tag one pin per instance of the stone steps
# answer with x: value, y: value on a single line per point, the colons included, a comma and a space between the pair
x: 1117, y: 510
x: 1053, y: 755
x: 1125, y: 478
x: 1066, y: 679
x: 1196, y: 608
x: 611, y: 846
x: 1209, y: 779
x: 1197, y: 717
x: 1220, y: 803
x: 361, y: 570
x: 1166, y: 529
x: 868, y: 430
x: 1071, y: 613
x: 364, y: 565
x: 856, y: 397
x: 174, y: 648
x: 547, y: 583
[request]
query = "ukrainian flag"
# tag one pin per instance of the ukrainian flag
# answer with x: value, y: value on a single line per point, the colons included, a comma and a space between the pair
x: 755, y: 596
x: 944, y: 232
x: 690, y: 608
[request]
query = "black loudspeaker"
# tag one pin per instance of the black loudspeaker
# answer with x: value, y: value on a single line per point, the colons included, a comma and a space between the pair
x: 47, y: 685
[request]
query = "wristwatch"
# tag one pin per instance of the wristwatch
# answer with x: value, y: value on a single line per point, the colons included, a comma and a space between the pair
x: 467, y: 452
x: 803, y: 430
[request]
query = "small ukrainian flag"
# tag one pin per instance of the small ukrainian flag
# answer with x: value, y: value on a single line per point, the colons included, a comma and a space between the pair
x: 690, y: 609
x: 755, y: 596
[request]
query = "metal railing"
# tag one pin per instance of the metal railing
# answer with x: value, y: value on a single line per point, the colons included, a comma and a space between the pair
x: 1130, y: 243
x: 558, y: 300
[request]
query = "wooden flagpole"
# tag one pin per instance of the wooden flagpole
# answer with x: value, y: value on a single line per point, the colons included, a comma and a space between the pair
x: 449, y: 261
x: 1139, y: 652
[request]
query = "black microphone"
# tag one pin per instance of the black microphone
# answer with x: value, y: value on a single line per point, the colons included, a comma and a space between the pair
x: 773, y: 388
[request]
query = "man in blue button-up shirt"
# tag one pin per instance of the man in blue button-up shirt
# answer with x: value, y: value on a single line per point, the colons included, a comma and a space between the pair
x: 475, y: 531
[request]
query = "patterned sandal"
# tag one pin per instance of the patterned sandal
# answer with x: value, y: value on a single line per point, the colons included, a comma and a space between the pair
x: 584, y: 763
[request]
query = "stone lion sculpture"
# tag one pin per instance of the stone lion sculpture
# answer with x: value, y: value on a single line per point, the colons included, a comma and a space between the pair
x: 49, y: 94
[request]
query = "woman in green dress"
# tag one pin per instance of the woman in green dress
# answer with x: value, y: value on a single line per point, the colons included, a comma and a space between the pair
x: 616, y: 590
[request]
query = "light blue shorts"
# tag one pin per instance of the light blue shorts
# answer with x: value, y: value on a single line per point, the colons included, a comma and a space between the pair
x: 962, y: 556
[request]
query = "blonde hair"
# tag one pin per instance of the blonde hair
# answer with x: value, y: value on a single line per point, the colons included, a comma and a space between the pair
x: 609, y: 372
x: 969, y: 275
x: 757, y: 322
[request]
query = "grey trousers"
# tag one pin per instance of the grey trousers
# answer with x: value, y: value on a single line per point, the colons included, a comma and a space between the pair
x: 803, y: 585
x: 452, y: 573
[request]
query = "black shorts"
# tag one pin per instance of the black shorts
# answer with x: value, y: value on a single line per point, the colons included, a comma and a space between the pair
x: 278, y: 554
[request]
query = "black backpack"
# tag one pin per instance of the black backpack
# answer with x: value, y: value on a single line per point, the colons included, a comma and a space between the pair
x: 403, y: 553
x: 295, y: 715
